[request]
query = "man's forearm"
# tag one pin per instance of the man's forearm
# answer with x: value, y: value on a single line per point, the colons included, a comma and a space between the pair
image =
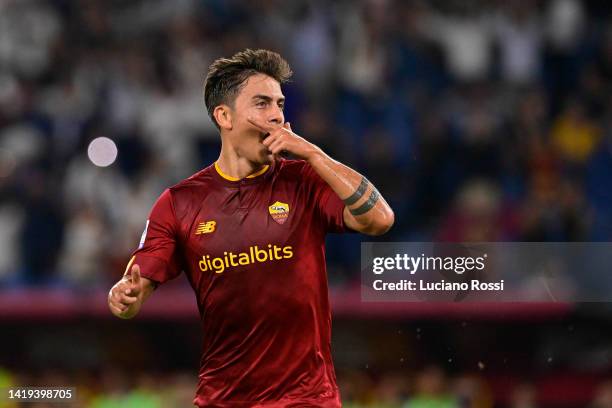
x: 366, y: 210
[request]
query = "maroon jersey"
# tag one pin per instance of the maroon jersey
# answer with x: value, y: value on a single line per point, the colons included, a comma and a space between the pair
x: 253, y: 251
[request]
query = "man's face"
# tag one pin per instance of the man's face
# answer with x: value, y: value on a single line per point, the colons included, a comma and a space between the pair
x: 260, y: 101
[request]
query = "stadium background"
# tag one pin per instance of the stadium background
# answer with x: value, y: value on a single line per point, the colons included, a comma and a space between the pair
x: 478, y: 120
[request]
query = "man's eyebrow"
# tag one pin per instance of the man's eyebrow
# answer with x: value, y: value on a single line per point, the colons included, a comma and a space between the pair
x: 268, y: 98
x: 263, y: 97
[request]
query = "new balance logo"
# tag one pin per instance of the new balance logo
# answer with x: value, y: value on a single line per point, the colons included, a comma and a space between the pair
x: 206, y: 227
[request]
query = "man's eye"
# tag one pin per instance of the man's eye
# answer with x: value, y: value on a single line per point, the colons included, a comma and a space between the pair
x: 282, y: 107
x: 260, y: 104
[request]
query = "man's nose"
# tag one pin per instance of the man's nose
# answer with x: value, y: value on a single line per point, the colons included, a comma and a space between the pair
x: 276, y: 117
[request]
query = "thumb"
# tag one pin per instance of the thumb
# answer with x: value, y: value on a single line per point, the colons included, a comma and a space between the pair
x: 135, y: 279
x: 287, y: 125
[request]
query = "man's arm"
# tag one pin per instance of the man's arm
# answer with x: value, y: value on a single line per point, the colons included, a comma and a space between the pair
x: 127, y: 296
x: 365, y: 209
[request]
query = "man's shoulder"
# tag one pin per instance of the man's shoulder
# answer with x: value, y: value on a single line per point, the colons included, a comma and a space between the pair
x: 300, y: 171
x: 293, y: 168
x: 196, y: 182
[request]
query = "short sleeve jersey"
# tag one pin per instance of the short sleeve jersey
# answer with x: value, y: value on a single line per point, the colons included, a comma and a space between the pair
x: 253, y: 251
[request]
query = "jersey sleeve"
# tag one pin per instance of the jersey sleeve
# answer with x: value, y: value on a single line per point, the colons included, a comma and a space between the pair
x: 328, y: 206
x: 156, y: 254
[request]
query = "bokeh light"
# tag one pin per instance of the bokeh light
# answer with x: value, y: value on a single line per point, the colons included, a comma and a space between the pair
x: 102, y: 151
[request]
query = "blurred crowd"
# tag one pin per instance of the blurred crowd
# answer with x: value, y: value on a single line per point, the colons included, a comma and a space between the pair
x: 478, y: 120
x: 429, y: 387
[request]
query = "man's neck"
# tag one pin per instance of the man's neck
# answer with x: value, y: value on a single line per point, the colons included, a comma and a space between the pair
x: 235, y: 166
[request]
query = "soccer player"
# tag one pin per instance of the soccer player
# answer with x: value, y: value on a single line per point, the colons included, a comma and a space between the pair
x: 249, y: 233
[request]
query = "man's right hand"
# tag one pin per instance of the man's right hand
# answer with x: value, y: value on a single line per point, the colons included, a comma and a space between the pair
x: 126, y: 296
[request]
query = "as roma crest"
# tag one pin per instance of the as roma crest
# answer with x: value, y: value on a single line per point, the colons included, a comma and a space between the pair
x: 279, y: 212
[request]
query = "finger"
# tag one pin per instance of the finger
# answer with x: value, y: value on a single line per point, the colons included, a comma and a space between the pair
x: 115, y: 295
x: 117, y: 305
x: 276, y: 150
x: 133, y: 287
x: 116, y: 310
x: 117, y: 289
x: 135, y: 274
x: 127, y: 300
x: 277, y: 146
x: 270, y: 139
x: 279, y: 152
x: 287, y: 128
x: 132, y: 291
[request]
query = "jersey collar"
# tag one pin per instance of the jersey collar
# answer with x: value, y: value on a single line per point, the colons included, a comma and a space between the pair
x: 250, y: 178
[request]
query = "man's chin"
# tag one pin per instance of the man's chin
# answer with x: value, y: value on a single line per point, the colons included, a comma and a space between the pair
x: 262, y: 160
x: 270, y: 158
x: 266, y: 157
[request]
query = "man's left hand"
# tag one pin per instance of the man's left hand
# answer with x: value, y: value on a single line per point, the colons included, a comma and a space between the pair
x: 283, y: 139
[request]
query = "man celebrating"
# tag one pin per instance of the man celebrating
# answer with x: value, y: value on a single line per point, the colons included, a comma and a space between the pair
x: 249, y: 233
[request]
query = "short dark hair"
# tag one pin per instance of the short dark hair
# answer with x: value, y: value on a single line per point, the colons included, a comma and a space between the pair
x: 227, y: 76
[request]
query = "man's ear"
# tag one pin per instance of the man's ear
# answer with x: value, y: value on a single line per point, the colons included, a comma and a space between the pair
x: 223, y: 116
